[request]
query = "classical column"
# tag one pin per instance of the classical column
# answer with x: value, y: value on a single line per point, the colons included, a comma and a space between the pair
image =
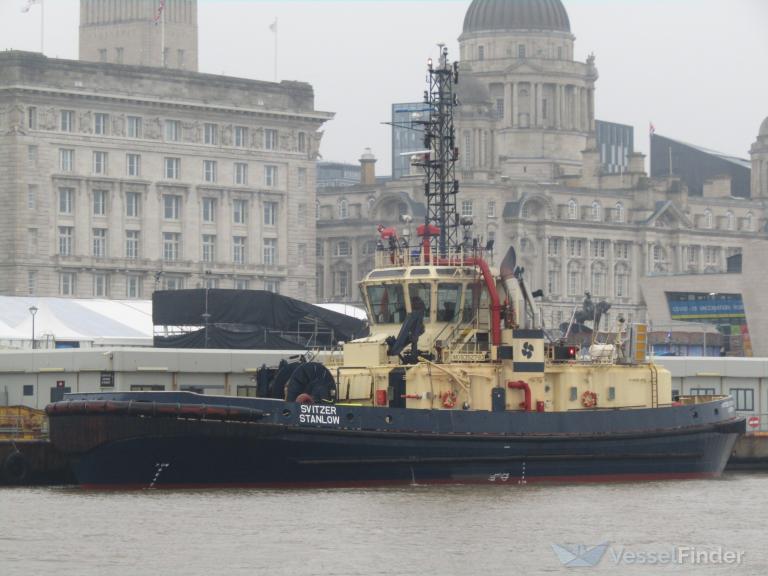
x: 533, y: 120
x: 515, y: 98
x: 506, y: 120
x: 584, y: 109
x: 355, y: 265
x: 327, y: 274
x: 556, y: 105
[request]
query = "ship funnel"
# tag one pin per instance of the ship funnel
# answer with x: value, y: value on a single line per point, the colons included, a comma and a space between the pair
x: 507, y: 272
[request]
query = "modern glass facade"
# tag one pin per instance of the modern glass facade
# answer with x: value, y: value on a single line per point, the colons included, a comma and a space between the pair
x: 616, y: 143
x: 407, y: 135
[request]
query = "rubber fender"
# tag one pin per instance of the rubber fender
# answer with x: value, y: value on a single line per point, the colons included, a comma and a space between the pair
x: 15, y: 468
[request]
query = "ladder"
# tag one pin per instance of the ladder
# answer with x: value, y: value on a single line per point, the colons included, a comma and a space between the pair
x: 654, y: 386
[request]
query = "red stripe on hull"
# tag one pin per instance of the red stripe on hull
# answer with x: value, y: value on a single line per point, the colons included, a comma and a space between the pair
x: 581, y: 479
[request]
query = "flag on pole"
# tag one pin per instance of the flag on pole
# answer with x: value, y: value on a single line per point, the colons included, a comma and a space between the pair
x: 273, y: 26
x: 29, y: 4
x: 651, y: 128
x: 159, y: 13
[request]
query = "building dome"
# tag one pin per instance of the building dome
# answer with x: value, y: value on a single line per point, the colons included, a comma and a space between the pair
x: 484, y: 15
x: 763, y: 128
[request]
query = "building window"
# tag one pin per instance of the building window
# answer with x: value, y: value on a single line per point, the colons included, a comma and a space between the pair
x: 100, y: 285
x: 67, y: 284
x: 209, y: 210
x: 32, y: 118
x: 211, y: 134
x: 553, y: 246
x: 301, y: 178
x: 301, y: 254
x: 730, y: 221
x: 575, y: 248
x: 343, y: 209
x: 209, y: 170
x: 599, y: 248
x: 702, y: 392
x: 500, y: 108
x: 66, y: 238
x: 240, y: 211
x: 32, y: 150
x: 32, y: 196
x: 553, y: 284
x: 491, y: 213
x: 270, y: 251
x: 241, y: 284
x: 341, y: 283
x: 32, y: 241
x: 100, y: 163
x: 67, y: 120
x: 238, y: 249
x: 133, y: 204
x: 99, y: 242
x: 574, y: 280
x: 481, y: 52
x: 272, y: 286
x: 596, y: 211
x: 342, y: 248
x: 132, y: 244
x: 621, y: 250
x: 621, y: 282
x: 270, y: 176
x: 100, y: 123
x: 134, y: 126
x: 302, y: 144
x: 598, y: 280
x: 171, y: 206
x: 119, y: 54
x: 658, y: 253
x: 241, y: 173
x: 241, y: 136
x: 745, y: 399
x: 172, y: 168
x: 270, y: 139
x: 708, y: 220
x: 66, y: 160
x: 133, y: 165
x: 172, y: 130
x: 133, y: 287
x: 102, y: 54
x: 66, y: 200
x: 172, y: 283
x: 171, y: 246
x: 31, y: 282
x: 521, y: 50
x: 467, y: 208
x: 210, y: 283
x: 620, y: 213
x: 270, y: 213
x: 573, y: 210
x: 99, y: 202
x: 209, y: 248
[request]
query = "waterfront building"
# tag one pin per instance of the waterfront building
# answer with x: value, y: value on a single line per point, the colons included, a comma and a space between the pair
x: 407, y: 135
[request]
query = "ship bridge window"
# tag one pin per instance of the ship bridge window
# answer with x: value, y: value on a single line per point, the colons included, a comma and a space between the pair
x: 475, y: 300
x: 387, y: 303
x: 421, y: 299
x: 392, y: 273
x: 447, y: 271
x: 448, y: 301
x: 420, y: 272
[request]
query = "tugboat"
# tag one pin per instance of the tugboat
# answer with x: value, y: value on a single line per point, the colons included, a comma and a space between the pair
x: 455, y: 384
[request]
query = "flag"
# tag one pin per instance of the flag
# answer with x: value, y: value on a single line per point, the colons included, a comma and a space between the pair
x: 651, y: 128
x: 29, y: 5
x: 159, y: 13
x: 273, y: 26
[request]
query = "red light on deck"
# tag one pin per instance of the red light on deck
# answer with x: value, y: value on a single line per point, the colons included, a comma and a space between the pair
x: 381, y: 398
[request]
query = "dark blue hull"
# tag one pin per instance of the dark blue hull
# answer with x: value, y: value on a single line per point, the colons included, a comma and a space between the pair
x: 347, y: 445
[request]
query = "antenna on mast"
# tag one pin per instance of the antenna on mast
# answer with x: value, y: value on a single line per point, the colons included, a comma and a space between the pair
x: 439, y: 162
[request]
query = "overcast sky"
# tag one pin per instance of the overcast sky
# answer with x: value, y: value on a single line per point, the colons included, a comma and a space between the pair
x: 696, y: 68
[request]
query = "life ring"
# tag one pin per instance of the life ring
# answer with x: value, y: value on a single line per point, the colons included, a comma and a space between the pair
x: 589, y: 399
x: 448, y: 399
x: 15, y: 468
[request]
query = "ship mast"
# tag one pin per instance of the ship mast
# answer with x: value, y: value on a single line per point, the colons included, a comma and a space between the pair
x: 439, y: 162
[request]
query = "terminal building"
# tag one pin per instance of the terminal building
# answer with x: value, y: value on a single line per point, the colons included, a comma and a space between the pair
x: 120, y: 176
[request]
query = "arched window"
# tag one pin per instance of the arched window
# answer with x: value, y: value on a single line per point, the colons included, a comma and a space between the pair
x: 619, y: 213
x: 573, y: 209
x: 730, y: 221
x: 596, y: 211
x: 621, y: 281
x: 317, y: 209
x: 343, y: 209
x: 708, y: 220
x: 658, y: 253
x: 371, y: 202
x: 748, y: 222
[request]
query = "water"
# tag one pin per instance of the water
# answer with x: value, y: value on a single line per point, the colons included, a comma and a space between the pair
x: 418, y: 530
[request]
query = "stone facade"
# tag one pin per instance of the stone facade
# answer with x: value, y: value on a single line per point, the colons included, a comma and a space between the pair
x: 120, y: 179
x: 759, y: 153
x: 136, y: 32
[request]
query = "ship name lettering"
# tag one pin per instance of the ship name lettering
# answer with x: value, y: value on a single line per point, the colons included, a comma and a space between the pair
x: 315, y: 414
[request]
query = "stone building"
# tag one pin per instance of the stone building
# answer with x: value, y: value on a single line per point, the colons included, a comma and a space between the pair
x: 117, y: 179
x: 532, y: 177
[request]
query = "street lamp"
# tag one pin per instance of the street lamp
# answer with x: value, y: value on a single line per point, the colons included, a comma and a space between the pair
x: 33, y: 311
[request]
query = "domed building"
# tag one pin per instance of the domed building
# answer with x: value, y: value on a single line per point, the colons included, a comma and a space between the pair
x: 540, y: 108
x: 759, y: 153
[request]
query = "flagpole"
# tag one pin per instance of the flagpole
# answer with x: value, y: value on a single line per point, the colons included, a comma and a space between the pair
x: 162, y: 36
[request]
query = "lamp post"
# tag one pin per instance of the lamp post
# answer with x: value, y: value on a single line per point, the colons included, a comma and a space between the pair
x: 33, y: 311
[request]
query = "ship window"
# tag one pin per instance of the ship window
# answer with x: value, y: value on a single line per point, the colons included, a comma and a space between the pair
x: 420, y: 272
x: 387, y: 273
x: 475, y: 299
x: 612, y: 393
x: 448, y: 299
x: 421, y: 299
x: 574, y: 393
x: 446, y: 271
x: 387, y: 303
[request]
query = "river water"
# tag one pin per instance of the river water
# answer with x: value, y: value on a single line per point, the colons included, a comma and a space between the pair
x: 416, y: 530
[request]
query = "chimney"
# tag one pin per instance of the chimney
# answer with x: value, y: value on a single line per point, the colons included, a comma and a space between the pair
x: 368, y: 168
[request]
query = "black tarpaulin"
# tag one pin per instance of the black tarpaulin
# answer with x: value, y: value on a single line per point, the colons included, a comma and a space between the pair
x: 222, y: 338
x: 247, y: 307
